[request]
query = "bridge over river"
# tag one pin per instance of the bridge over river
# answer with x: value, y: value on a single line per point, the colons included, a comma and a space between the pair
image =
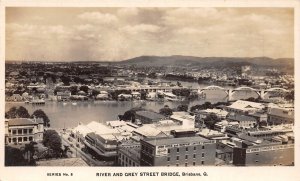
x: 231, y: 91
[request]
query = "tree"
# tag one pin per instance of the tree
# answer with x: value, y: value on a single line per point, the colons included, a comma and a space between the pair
x: 206, y: 105
x: 252, y: 99
x: 129, y: 115
x: 65, y: 151
x: 22, y: 112
x: 211, y: 120
x: 84, y: 88
x: 14, y: 112
x: 52, y: 140
x: 182, y: 108
x: 14, y: 157
x: 29, y: 152
x: 41, y: 114
x: 290, y: 96
x: 181, y: 92
x: 95, y: 92
x: 143, y: 95
x: 166, y: 111
x: 65, y: 80
x: 73, y: 90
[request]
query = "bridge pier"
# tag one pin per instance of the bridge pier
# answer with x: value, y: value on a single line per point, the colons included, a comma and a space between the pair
x: 229, y: 93
x: 262, y: 93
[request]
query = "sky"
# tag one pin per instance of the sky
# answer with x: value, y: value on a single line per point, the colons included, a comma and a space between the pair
x: 114, y: 34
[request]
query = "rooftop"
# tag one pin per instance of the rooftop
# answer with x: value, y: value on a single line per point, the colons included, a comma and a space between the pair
x: 148, y: 131
x: 187, y: 140
x: 24, y: 121
x: 240, y: 104
x: 100, y: 128
x: 82, y: 129
x: 150, y: 115
x: 282, y: 112
x: 116, y: 123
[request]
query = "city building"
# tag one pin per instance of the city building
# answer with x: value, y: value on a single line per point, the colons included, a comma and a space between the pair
x: 263, y: 132
x: 148, y: 117
x: 184, y: 119
x: 63, y: 96
x: 280, y: 116
x: 269, y: 153
x: 221, y: 114
x: 23, y: 130
x: 148, y: 132
x: 184, y: 132
x: 102, y: 141
x: 244, y: 121
x: 102, y: 146
x: 244, y: 107
x: 129, y: 153
x: 187, y: 151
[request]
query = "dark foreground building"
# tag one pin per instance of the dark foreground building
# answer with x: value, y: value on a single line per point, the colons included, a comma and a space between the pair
x: 187, y: 151
x: 268, y: 155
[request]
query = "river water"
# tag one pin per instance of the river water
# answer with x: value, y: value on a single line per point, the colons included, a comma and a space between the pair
x: 69, y: 115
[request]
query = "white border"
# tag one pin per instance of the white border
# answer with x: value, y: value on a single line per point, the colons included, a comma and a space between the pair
x: 215, y: 173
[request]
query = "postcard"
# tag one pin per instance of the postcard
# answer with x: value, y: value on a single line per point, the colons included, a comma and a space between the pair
x: 109, y: 90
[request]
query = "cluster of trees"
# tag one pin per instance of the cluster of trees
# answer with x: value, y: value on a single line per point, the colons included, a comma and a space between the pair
x: 52, y: 140
x: 20, y: 157
x: 290, y: 96
x: 14, y: 112
x: 208, y: 105
x: 166, y: 111
x: 180, y: 77
x: 14, y: 157
x: 252, y: 99
x: 130, y: 114
x: 210, y: 120
x: 22, y: 112
x: 181, y: 92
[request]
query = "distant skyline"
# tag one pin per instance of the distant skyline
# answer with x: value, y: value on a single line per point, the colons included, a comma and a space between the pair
x: 114, y: 34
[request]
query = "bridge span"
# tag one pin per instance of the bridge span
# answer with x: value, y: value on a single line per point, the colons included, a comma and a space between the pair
x: 230, y: 91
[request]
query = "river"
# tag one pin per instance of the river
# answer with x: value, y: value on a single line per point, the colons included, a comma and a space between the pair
x: 69, y: 115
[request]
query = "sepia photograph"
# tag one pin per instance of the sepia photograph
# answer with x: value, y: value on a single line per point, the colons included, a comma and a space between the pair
x: 149, y: 87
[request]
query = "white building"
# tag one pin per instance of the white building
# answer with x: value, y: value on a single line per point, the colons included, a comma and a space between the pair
x: 23, y: 130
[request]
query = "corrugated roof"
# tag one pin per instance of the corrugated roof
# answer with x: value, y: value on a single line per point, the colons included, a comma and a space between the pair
x: 100, y: 128
x: 148, y: 131
x: 240, y: 104
x: 21, y: 122
x: 187, y: 140
x: 282, y: 112
x: 150, y: 115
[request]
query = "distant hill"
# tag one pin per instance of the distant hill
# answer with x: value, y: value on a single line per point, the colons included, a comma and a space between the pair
x: 178, y: 60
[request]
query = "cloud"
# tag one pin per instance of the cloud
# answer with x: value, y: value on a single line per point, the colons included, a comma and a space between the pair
x: 142, y: 28
x: 121, y: 33
x: 97, y: 17
x: 187, y: 31
x: 85, y: 27
x: 128, y: 12
x: 38, y: 18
